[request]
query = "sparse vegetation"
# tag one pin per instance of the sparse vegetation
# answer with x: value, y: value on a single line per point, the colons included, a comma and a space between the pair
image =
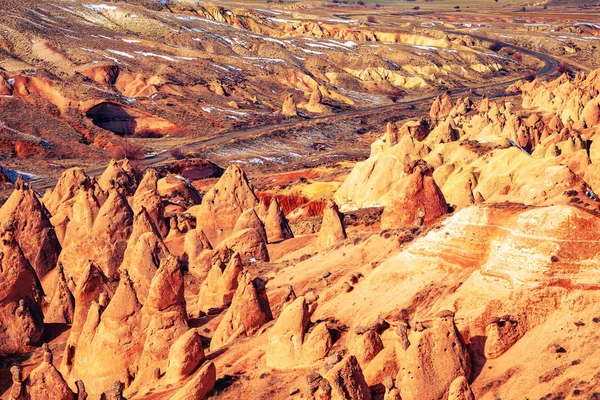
x: 177, y: 154
x: 564, y: 68
x: 496, y: 46
x: 128, y: 149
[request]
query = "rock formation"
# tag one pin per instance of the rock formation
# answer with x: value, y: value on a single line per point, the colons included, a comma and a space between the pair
x: 460, y: 390
x: 249, y: 219
x: 46, y: 382
x: 249, y: 310
x: 164, y: 316
x: 21, y: 319
x: 315, y: 103
x: 347, y: 381
x: 434, y: 359
x: 120, y: 175
x: 62, y: 305
x: 290, y: 343
x: 224, y: 203
x: 276, y: 224
x: 218, y: 288
x: 289, y: 106
x: 418, y: 202
x: 332, y: 228
x: 147, y: 196
x: 185, y: 355
x: 29, y: 221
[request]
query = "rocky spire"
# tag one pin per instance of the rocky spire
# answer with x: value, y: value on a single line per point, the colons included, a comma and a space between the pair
x: 29, y: 221
x: 46, y: 382
x: 146, y: 196
x: 224, y: 203
x: 62, y: 306
x: 332, y: 228
x: 20, y: 297
x: 276, y: 225
x: 249, y: 219
x: 249, y: 310
x: 218, y: 288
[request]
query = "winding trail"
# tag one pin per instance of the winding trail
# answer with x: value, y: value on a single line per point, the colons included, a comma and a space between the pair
x: 550, y: 65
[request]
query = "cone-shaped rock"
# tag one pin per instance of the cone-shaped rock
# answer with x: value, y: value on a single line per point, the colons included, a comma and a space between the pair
x: 195, y: 242
x: 347, y: 381
x: 148, y: 254
x: 332, y: 228
x: 111, y: 232
x: 250, y: 219
x: 81, y: 215
x: 146, y: 196
x: 30, y: 221
x: 460, y: 390
x: 218, y: 288
x: 67, y: 187
x: 45, y: 382
x: 435, y: 358
x: 276, y: 225
x: 62, y: 306
x: 224, y: 203
x: 119, y: 333
x: 287, y: 335
x: 21, y: 319
x: 419, y: 201
x: 164, y: 316
x: 119, y: 174
x: 249, y: 310
x: 289, y: 106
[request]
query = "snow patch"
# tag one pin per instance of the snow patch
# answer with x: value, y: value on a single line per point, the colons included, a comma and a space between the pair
x: 100, y: 7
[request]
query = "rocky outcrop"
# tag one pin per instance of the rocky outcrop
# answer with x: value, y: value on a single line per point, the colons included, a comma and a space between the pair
x: 21, y: 319
x: 347, y: 381
x: 62, y: 305
x: 367, y: 346
x: 195, y: 242
x: 121, y: 175
x: 224, y: 203
x: 106, y: 332
x: 107, y: 241
x: 418, y: 202
x: 289, y: 106
x: 249, y: 243
x: 502, y: 333
x: 249, y: 310
x: 441, y: 107
x: 315, y: 103
x: 145, y: 252
x: 29, y: 221
x: 276, y: 224
x: 290, y: 343
x: 332, y: 228
x: 434, y: 359
x: 200, y: 385
x: 164, y: 316
x: 249, y: 219
x: 185, y: 355
x: 460, y: 390
x: 218, y: 288
x: 146, y: 196
x: 46, y: 382
x: 69, y: 184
